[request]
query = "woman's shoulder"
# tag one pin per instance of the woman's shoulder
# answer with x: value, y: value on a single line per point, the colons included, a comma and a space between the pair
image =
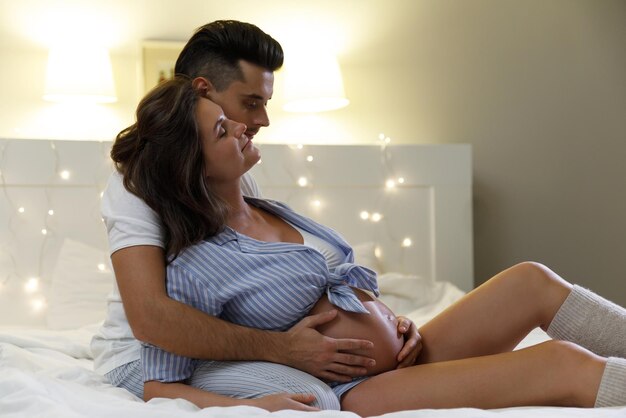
x: 218, y: 251
x: 274, y: 206
x: 212, y: 247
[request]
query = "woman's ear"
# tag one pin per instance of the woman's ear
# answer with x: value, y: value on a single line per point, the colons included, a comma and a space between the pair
x: 202, y: 85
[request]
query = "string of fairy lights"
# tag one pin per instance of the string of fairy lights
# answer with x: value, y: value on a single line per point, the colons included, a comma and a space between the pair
x: 40, y: 218
x: 392, y: 183
x: 34, y: 288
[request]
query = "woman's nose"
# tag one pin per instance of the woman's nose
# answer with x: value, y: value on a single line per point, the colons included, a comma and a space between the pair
x: 240, y: 128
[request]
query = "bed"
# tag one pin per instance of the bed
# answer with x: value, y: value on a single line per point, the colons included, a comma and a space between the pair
x: 406, y: 209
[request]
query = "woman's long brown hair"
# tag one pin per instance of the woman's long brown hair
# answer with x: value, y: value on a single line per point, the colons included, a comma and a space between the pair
x: 160, y: 157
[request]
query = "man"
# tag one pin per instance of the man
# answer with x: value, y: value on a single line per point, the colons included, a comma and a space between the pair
x: 232, y: 63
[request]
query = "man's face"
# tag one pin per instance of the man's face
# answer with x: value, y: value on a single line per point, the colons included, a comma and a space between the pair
x: 246, y: 101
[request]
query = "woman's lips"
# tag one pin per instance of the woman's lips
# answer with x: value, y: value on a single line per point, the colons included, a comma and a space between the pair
x: 248, y: 140
x: 249, y: 135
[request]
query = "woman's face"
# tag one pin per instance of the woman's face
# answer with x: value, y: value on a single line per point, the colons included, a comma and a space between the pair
x: 228, y: 152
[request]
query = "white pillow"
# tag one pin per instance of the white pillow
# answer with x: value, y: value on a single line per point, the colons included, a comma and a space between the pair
x: 365, y: 255
x: 416, y: 297
x: 81, y: 281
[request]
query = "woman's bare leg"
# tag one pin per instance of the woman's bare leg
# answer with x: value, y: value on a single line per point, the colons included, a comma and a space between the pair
x: 496, y: 316
x: 552, y: 373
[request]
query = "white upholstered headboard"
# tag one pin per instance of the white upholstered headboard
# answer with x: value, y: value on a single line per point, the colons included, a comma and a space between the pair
x: 50, y: 192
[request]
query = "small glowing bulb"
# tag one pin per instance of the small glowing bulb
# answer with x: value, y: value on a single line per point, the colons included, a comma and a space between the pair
x: 376, y: 217
x: 407, y: 242
x: 390, y: 184
x: 65, y: 175
x: 401, y: 180
x: 50, y: 212
x: 309, y: 158
x: 102, y: 267
x: 21, y: 209
x: 299, y: 146
x: 381, y: 136
x: 316, y: 203
x: 378, y: 252
x: 38, y: 304
x: 364, y: 215
x: 101, y: 194
x: 302, y: 182
x: 31, y: 285
x: 44, y: 231
x: 387, y: 140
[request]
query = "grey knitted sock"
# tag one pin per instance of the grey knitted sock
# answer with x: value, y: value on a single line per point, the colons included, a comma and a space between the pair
x: 592, y: 322
x: 612, y: 391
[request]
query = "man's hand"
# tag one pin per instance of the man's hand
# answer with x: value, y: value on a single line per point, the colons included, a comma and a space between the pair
x: 322, y: 356
x: 412, y: 342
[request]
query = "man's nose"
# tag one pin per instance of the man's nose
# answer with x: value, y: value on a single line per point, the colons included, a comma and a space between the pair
x: 262, y: 118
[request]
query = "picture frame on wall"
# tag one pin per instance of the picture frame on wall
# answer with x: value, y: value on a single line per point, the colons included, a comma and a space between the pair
x: 158, y: 61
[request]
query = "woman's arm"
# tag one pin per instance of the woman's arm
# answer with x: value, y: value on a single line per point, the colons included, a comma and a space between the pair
x: 180, y: 329
x: 204, y: 399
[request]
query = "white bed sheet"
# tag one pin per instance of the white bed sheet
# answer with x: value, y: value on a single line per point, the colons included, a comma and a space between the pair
x: 49, y: 373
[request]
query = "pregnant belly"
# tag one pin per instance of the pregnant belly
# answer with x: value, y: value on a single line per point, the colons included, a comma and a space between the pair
x: 380, y: 327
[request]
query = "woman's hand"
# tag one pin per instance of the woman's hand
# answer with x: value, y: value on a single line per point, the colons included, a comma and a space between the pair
x: 204, y: 399
x: 295, y: 401
x: 412, y: 342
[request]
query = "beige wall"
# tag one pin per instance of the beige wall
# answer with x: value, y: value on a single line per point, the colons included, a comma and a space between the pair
x: 538, y: 87
x: 24, y: 114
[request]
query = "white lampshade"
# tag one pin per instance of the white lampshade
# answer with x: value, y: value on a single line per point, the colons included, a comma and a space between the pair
x: 313, y: 83
x: 79, y: 73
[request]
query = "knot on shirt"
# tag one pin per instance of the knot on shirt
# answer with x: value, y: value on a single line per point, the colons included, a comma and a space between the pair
x: 340, y: 280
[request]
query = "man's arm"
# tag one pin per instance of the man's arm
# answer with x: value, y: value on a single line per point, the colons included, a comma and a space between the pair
x: 180, y: 329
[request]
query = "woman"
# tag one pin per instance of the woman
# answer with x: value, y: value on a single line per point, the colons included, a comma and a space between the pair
x: 255, y: 248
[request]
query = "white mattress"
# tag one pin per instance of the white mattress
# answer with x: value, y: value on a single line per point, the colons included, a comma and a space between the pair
x: 49, y: 373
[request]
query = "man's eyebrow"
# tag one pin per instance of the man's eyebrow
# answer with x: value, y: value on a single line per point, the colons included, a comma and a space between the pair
x: 253, y: 96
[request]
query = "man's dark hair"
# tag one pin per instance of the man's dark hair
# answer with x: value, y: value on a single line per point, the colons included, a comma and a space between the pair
x: 215, y: 49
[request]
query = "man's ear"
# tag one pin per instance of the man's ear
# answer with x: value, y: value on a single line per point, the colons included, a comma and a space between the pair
x: 203, y: 85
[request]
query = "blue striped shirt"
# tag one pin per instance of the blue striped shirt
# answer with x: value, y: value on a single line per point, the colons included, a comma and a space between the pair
x: 265, y: 285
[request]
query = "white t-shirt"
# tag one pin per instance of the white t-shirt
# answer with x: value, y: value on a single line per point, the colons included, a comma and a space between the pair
x: 129, y: 222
